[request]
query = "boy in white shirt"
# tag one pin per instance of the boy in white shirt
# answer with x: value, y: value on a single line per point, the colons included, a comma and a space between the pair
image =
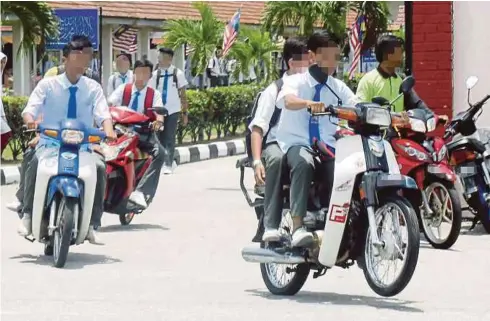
x: 123, y: 75
x: 264, y: 125
x: 138, y: 96
x: 171, y: 83
x: 298, y: 130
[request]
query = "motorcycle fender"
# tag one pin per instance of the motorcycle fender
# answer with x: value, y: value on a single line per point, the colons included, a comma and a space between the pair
x: 348, y: 165
x: 68, y: 186
x: 442, y: 171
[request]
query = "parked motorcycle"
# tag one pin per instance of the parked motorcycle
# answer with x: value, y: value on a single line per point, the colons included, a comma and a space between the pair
x: 425, y: 159
x: 126, y: 163
x: 365, y: 217
x: 471, y: 157
x: 65, y: 188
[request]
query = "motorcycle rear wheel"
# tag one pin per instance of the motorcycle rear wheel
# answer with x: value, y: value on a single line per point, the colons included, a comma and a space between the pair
x: 63, y: 233
x: 411, y: 246
x: 455, y: 207
x: 297, y: 277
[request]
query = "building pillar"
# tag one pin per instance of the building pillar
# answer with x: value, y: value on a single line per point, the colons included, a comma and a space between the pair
x: 20, y: 67
x: 143, y: 42
x: 179, y: 58
x: 106, y: 54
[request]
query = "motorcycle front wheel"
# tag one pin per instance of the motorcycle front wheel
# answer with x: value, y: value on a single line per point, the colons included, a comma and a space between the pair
x: 67, y: 211
x: 125, y: 219
x: 442, y: 228
x: 398, y: 229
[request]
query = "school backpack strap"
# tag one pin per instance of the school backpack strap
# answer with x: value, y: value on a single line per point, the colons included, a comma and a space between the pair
x: 128, y: 88
x: 61, y: 69
x: 277, y: 111
x: 150, y: 94
x: 114, y: 79
x: 159, y: 74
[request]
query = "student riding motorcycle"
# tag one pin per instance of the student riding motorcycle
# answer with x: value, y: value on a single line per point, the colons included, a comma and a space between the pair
x: 263, y: 128
x: 130, y: 95
x: 68, y: 95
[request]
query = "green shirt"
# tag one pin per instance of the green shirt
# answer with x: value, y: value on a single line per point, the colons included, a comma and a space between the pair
x: 378, y: 83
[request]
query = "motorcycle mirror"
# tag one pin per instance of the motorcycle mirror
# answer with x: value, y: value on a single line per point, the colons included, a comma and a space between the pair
x: 471, y: 82
x: 380, y: 101
x: 407, y: 85
x: 160, y: 110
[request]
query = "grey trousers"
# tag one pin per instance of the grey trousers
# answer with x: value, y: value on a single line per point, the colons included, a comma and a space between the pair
x: 149, y: 182
x: 273, y: 202
x: 98, y: 208
x: 26, y: 159
x: 167, y: 137
x: 304, y: 168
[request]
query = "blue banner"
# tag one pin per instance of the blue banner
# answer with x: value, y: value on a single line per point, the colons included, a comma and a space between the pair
x: 76, y: 22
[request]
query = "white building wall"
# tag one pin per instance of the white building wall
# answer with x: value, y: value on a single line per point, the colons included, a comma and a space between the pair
x: 471, y: 48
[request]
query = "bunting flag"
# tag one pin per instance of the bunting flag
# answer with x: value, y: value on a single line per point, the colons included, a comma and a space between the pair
x: 125, y: 38
x: 231, y: 32
x: 355, y: 42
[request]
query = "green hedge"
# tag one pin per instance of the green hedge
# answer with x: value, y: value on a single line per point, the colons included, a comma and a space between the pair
x: 217, y: 112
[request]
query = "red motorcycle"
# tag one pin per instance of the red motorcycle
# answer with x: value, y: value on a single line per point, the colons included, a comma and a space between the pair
x: 426, y: 160
x: 126, y: 163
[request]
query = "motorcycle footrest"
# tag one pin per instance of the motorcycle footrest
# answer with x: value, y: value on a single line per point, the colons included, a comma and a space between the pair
x: 30, y: 238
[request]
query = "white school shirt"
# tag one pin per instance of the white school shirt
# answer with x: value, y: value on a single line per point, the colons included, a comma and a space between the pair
x: 119, y: 81
x: 117, y: 96
x: 174, y: 104
x: 265, y: 109
x: 293, y: 128
x: 51, y: 95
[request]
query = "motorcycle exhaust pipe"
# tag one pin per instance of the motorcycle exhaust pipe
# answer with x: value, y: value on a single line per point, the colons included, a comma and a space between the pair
x: 260, y: 255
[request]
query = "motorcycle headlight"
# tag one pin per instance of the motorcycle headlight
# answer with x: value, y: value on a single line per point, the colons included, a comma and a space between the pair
x: 431, y: 124
x: 412, y: 152
x: 70, y: 136
x: 112, y: 151
x: 378, y: 116
x: 417, y: 125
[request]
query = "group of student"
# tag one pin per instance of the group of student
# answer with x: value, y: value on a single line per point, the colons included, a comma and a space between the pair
x: 283, y: 130
x: 70, y: 91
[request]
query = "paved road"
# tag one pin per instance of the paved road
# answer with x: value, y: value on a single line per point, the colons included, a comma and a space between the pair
x: 181, y: 260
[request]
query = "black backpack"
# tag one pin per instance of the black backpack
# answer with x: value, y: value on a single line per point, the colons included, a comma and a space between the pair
x: 272, y: 123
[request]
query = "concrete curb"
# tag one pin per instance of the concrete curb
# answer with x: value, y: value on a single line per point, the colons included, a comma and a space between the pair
x: 187, y: 154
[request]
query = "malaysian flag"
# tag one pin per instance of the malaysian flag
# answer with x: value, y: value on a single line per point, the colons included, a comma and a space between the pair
x: 231, y: 32
x: 355, y: 42
x: 125, y: 39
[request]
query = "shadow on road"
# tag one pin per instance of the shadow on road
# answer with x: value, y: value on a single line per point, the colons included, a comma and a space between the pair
x: 477, y: 231
x: 425, y: 245
x: 343, y: 299
x: 131, y: 227
x: 75, y: 261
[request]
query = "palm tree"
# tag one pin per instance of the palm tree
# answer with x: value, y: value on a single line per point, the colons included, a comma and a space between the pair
x: 330, y: 15
x: 37, y: 19
x: 203, y: 36
x: 252, y: 48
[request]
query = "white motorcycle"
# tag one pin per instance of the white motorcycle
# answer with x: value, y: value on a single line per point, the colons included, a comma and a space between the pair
x: 368, y: 219
x: 65, y: 188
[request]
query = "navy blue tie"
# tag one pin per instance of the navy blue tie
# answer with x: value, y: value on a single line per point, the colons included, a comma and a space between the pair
x: 72, y: 103
x: 165, y: 87
x: 134, y: 106
x: 314, y: 125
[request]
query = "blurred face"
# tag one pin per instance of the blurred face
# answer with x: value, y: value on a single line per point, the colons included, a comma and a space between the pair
x: 141, y: 76
x: 299, y: 63
x: 79, y: 60
x: 122, y: 64
x: 327, y: 58
x: 164, y: 60
x: 396, y: 58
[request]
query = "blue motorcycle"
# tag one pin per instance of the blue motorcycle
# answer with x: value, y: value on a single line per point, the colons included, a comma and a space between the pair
x: 65, y: 187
